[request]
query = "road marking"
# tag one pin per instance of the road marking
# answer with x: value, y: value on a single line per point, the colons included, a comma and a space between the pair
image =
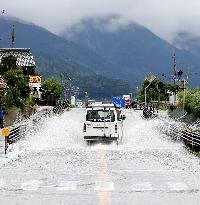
x: 67, y: 186
x: 2, y: 182
x: 141, y: 187
x: 148, y: 170
x: 104, y: 186
x: 177, y: 186
x: 32, y: 185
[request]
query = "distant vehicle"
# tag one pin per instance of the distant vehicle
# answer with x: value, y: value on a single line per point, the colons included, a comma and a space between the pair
x: 127, y: 100
x: 90, y: 102
x: 103, y: 122
x: 79, y: 103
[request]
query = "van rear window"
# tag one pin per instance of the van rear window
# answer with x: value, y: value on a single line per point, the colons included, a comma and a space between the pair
x: 100, y: 115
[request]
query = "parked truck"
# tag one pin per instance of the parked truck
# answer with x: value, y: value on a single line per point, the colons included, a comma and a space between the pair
x: 127, y: 99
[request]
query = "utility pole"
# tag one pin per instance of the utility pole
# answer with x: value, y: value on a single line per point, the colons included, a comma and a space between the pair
x: 13, y: 36
x: 2, y: 13
x: 184, y: 88
x: 174, y: 76
x: 174, y: 69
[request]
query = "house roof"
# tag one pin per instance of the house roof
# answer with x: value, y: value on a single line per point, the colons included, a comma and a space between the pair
x: 23, y: 55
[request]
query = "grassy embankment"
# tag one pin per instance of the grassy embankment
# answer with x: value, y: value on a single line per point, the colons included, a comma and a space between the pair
x: 190, y: 100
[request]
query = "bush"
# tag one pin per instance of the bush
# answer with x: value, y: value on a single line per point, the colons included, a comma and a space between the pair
x: 191, y: 101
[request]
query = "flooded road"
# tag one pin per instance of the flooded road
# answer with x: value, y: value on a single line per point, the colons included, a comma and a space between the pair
x: 53, y: 165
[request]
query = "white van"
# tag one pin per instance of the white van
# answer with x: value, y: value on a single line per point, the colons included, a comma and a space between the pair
x: 103, y: 123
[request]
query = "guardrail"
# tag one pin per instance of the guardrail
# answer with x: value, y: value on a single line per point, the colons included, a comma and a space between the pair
x: 12, y: 135
x: 60, y: 107
x: 188, y: 136
x: 192, y: 139
x: 147, y: 113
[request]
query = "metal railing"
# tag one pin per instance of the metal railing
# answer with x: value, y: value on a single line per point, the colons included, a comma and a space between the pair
x: 147, y: 113
x: 15, y: 133
x: 188, y: 136
x: 192, y: 139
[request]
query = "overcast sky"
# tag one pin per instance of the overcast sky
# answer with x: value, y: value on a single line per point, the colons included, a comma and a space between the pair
x: 163, y: 17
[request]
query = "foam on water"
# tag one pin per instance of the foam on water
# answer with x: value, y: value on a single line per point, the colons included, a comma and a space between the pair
x: 64, y: 132
x: 144, y: 134
x: 55, y: 132
x: 12, y: 153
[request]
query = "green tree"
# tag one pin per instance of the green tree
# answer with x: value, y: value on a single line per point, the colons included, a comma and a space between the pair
x: 8, y: 63
x: 190, y: 99
x: 53, y: 85
x: 18, y: 90
x: 156, y: 91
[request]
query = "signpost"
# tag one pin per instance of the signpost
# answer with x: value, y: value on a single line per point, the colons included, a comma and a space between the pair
x: 6, y: 133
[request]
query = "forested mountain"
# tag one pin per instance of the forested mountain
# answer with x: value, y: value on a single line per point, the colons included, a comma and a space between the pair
x: 55, y: 55
x: 94, y: 49
x: 97, y: 86
x: 132, y: 48
x: 42, y: 42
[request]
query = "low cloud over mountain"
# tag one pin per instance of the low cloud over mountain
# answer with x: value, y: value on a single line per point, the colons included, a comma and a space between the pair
x: 165, y: 18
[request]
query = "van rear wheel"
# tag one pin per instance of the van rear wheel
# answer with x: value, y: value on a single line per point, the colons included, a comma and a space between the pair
x: 89, y: 142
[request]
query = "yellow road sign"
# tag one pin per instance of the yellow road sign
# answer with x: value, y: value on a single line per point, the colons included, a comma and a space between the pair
x: 35, y: 78
x: 5, y: 132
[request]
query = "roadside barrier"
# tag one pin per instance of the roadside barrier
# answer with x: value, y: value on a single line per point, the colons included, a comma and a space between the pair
x: 11, y: 135
x: 192, y: 139
x: 183, y: 132
x: 61, y: 107
x: 147, y: 113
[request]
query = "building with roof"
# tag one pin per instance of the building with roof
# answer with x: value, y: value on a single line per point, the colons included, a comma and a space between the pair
x: 23, y: 55
x: 26, y: 61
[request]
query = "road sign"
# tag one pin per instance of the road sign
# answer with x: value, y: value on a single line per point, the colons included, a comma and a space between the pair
x: 35, y: 79
x: 5, y: 132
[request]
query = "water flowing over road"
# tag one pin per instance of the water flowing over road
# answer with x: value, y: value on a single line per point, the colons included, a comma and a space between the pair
x: 53, y: 165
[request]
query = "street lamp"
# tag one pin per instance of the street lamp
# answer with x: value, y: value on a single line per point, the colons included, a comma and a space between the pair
x: 150, y: 80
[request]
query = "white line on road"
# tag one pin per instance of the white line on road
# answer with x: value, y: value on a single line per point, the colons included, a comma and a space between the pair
x: 32, y: 185
x: 104, y: 186
x: 67, y: 186
x: 2, y: 182
x: 141, y: 187
x: 148, y: 170
x: 177, y: 186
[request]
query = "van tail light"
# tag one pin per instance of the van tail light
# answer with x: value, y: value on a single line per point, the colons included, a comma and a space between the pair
x: 115, y: 128
x: 84, y: 128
